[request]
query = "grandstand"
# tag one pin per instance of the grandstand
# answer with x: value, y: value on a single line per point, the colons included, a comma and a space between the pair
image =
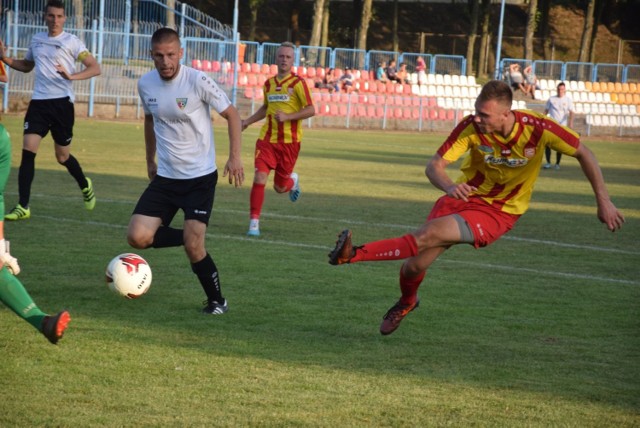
x: 606, y: 96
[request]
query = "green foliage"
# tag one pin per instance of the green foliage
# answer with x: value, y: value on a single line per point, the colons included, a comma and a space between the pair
x: 539, y: 329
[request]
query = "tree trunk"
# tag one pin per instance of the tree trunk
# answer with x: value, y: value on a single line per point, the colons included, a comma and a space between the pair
x: 530, y: 29
x: 484, y: 39
x: 316, y: 30
x: 254, y: 6
x: 295, y: 22
x: 396, y: 43
x: 325, y: 27
x: 600, y: 6
x: 473, y: 34
x: 587, y: 32
x: 365, y: 20
x: 171, y: 17
x: 78, y: 7
x: 544, y: 28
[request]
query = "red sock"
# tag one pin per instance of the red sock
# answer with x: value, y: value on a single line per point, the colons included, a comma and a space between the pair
x: 256, y: 200
x: 387, y: 249
x: 409, y: 287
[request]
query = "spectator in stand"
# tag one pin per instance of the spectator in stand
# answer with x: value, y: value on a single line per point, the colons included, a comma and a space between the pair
x: 381, y: 72
x: 402, y: 73
x: 517, y: 79
x: 346, y: 81
x: 421, y: 69
x: 330, y: 82
x: 531, y: 80
x: 559, y: 108
x: 392, y: 72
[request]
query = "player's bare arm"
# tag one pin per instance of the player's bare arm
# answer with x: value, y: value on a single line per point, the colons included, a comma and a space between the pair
x: 260, y: 114
x: 233, y: 168
x: 437, y: 175
x: 607, y: 211
x: 91, y: 69
x: 150, y: 146
x: 303, y: 113
x: 17, y: 64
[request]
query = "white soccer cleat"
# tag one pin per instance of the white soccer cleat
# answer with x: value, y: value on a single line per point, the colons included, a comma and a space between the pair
x: 254, y: 227
x: 9, y: 261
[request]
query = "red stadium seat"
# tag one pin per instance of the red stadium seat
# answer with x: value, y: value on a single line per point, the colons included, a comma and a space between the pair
x: 255, y: 67
x: 197, y: 64
x: 215, y: 66
x: 206, y: 65
x: 264, y: 69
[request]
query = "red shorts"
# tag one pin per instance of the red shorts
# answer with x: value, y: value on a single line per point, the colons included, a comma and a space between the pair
x: 280, y: 157
x: 487, y: 222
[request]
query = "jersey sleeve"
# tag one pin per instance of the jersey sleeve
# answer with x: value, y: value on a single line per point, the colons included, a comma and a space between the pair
x: 145, y: 107
x: 210, y: 92
x: 458, y: 142
x: 561, y: 138
x: 303, y: 93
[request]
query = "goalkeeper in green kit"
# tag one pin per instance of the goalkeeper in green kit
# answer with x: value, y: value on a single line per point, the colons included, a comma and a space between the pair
x: 12, y: 292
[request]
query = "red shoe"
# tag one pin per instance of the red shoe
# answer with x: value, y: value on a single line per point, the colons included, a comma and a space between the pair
x: 343, y: 252
x: 53, y: 327
x: 393, y: 317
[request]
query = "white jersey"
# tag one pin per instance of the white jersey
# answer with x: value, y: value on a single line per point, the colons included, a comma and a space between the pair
x: 47, y: 52
x: 182, y: 120
x: 559, y: 108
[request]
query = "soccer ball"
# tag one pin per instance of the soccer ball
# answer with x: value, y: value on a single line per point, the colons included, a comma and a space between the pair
x: 128, y: 275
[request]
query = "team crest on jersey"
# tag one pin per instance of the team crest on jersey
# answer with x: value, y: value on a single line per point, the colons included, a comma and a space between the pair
x: 181, y: 102
x: 529, y: 152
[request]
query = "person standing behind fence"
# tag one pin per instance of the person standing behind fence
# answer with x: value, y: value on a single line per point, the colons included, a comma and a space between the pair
x: 287, y: 101
x: 560, y: 108
x: 53, y: 54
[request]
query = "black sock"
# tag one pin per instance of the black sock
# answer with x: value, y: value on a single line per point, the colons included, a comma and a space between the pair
x: 25, y: 177
x: 168, y: 237
x: 207, y: 273
x: 75, y: 170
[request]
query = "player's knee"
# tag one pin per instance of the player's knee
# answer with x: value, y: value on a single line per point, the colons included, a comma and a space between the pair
x: 138, y: 240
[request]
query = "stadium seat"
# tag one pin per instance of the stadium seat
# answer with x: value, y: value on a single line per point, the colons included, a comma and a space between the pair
x: 206, y: 65
x: 255, y: 67
x: 588, y: 86
x: 197, y: 64
x: 273, y: 69
x: 245, y: 67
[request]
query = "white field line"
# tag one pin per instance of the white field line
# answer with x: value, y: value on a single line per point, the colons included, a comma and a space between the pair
x: 264, y: 241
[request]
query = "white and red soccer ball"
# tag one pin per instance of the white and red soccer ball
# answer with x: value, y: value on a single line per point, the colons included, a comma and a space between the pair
x: 128, y: 275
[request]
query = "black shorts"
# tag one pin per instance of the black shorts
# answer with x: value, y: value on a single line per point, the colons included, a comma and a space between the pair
x: 56, y: 115
x: 165, y: 196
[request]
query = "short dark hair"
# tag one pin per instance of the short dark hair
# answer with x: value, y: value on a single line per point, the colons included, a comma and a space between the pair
x: 496, y: 90
x: 58, y: 4
x: 561, y: 84
x: 165, y: 34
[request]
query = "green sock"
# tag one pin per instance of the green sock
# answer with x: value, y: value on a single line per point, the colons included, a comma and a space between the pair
x: 15, y: 296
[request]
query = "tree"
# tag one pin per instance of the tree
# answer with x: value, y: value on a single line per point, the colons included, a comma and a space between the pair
x: 587, y: 31
x: 365, y: 20
x: 316, y: 30
x: 171, y: 17
x: 254, y: 5
x: 78, y: 8
x: 473, y: 34
x: 530, y: 29
x: 484, y: 40
x: 544, y: 28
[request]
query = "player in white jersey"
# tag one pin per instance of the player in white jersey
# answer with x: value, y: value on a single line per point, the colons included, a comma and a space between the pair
x: 53, y: 54
x: 560, y: 108
x: 177, y: 103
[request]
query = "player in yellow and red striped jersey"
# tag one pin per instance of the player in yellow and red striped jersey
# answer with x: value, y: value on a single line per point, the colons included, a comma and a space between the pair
x: 504, y: 149
x: 287, y: 101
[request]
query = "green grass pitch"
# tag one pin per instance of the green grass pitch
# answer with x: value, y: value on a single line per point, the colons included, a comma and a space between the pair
x: 540, y: 329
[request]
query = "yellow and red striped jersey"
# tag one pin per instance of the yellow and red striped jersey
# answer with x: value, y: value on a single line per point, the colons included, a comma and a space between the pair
x: 288, y: 95
x: 505, y: 170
